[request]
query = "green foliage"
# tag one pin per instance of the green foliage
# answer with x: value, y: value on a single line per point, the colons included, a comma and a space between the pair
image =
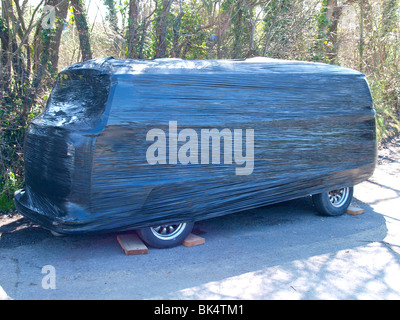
x: 3, y: 27
x: 277, y: 20
x: 390, y: 16
x: 241, y: 27
x: 10, y: 183
x: 385, y: 89
x: 321, y: 44
x: 112, y: 14
x: 381, y: 63
x: 191, y: 38
x: 12, y: 130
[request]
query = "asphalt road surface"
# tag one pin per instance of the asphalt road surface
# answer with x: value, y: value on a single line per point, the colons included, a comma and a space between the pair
x: 284, y: 251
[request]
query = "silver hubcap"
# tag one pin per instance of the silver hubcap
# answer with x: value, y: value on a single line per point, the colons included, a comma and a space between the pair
x: 338, y: 197
x: 168, y: 231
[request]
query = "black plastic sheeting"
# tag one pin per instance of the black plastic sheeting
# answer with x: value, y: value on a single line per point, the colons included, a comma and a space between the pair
x: 282, y: 129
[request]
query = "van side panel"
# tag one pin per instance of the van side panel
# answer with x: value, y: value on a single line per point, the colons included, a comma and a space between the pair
x: 312, y: 133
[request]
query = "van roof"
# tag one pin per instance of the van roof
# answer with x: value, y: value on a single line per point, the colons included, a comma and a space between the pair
x: 179, y: 66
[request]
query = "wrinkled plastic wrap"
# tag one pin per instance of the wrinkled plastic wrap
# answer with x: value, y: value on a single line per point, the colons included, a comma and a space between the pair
x: 86, y: 168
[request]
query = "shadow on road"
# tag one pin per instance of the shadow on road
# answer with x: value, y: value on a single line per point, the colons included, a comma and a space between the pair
x: 243, y: 247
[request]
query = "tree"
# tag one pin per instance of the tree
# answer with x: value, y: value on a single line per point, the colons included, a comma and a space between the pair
x: 83, y: 29
x: 46, y: 41
x: 328, y: 21
x: 132, y: 33
x: 112, y: 15
x: 18, y: 90
x: 61, y: 13
x: 161, y: 25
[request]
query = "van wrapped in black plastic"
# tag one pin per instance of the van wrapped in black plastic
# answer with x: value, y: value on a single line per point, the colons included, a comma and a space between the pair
x: 131, y: 144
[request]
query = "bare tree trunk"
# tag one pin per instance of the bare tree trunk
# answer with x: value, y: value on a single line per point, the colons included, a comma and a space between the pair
x: 42, y: 40
x: 144, y: 28
x: 5, y: 46
x: 49, y: 40
x: 83, y: 29
x: 237, y: 28
x: 132, y: 35
x: 176, y: 31
x: 161, y: 29
x: 251, y: 40
x: 219, y: 36
x: 334, y: 14
x: 61, y: 15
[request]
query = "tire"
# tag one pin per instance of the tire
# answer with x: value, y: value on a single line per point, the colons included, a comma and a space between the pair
x: 334, y: 202
x: 165, y: 236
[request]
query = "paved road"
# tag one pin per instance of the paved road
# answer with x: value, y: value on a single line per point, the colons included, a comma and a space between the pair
x: 284, y: 251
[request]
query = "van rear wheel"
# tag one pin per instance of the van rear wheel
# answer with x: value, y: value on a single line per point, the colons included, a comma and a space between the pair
x: 165, y: 236
x: 334, y: 202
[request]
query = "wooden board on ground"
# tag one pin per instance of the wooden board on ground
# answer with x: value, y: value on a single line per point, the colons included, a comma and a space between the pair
x: 354, y: 210
x: 131, y: 244
x: 193, y: 240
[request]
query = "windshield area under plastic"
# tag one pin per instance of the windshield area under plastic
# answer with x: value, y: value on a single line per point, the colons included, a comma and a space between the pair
x: 79, y: 97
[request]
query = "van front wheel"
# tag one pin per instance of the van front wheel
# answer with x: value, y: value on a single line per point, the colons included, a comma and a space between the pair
x: 165, y: 236
x: 334, y: 202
